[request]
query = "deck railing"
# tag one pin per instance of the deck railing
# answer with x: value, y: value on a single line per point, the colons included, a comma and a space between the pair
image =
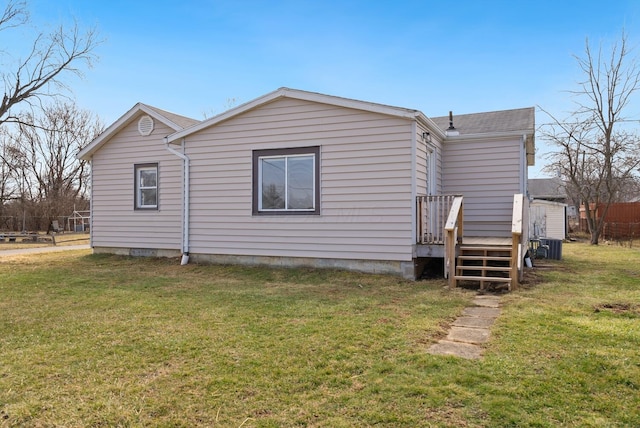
x: 518, y: 225
x: 433, y: 211
x: 453, y: 230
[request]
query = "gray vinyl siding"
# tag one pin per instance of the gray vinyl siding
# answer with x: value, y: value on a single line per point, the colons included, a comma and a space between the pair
x: 365, y: 184
x: 487, y: 173
x: 115, y: 223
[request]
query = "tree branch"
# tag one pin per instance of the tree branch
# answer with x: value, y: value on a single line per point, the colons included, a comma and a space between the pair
x: 51, y: 56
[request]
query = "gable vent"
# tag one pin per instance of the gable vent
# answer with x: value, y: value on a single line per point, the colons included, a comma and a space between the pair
x: 145, y: 125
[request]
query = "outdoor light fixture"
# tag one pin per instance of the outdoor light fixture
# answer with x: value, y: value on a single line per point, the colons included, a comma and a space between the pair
x: 451, y: 130
x: 426, y: 136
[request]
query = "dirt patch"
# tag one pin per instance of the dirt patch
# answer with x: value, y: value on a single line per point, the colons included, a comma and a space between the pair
x: 496, y: 288
x: 453, y: 414
x: 618, y: 307
x: 532, y: 277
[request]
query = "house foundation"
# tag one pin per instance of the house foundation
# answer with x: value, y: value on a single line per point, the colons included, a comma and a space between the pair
x: 407, y: 270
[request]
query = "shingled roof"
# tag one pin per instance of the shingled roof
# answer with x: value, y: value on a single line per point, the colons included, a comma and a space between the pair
x: 522, y: 119
x: 551, y: 189
x: 179, y: 120
x: 172, y: 120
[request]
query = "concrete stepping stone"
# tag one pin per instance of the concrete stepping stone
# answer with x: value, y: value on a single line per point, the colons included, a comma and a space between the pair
x: 476, y: 336
x: 477, y: 311
x: 473, y: 322
x: 470, y: 330
x: 487, y: 301
x: 456, y: 349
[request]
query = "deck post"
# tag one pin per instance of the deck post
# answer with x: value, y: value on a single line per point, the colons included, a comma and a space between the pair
x: 460, y: 224
x: 453, y: 235
x: 515, y: 274
x: 450, y: 257
x: 516, y: 235
x: 419, y: 232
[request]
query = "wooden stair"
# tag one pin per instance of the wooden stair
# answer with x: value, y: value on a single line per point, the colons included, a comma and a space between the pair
x: 484, y: 264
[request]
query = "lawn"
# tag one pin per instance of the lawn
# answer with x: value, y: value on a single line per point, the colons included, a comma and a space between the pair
x: 88, y: 340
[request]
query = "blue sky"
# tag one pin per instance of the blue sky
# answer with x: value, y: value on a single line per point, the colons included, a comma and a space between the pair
x: 198, y: 57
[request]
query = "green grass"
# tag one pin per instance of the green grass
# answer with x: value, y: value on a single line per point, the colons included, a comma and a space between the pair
x: 111, y: 341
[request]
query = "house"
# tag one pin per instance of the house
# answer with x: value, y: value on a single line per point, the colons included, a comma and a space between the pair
x: 296, y: 178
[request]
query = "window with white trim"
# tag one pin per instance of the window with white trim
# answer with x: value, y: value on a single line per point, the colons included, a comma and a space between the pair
x: 286, y: 181
x: 146, y: 186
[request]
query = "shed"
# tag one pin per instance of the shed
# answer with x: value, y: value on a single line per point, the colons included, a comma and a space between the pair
x: 547, y: 219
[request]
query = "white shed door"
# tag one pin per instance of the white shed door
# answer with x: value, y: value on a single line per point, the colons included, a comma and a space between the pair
x: 538, y: 221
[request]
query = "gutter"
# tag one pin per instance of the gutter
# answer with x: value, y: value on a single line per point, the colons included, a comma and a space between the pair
x: 185, y: 199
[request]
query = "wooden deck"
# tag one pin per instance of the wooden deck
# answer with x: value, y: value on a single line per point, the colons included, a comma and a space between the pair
x: 454, y: 246
x: 437, y: 250
x: 482, y: 240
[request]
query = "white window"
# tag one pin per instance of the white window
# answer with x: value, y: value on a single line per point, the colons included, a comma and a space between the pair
x: 146, y: 185
x: 430, y: 166
x: 286, y: 181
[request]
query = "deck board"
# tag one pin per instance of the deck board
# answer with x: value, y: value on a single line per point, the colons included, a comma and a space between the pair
x: 483, y: 240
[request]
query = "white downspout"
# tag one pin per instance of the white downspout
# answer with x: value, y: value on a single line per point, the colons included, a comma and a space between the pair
x: 185, y: 200
x: 524, y: 174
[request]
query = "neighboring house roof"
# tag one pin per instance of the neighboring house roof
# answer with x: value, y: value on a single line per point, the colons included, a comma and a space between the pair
x: 308, y: 96
x: 172, y: 120
x: 547, y: 202
x: 552, y: 189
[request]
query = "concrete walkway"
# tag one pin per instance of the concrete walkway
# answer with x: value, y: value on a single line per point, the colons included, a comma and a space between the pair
x: 469, y: 331
x: 40, y: 250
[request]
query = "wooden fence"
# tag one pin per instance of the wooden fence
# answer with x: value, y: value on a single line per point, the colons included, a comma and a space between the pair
x: 621, y: 222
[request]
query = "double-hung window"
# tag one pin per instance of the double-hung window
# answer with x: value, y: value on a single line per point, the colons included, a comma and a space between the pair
x: 146, y: 186
x: 286, y: 181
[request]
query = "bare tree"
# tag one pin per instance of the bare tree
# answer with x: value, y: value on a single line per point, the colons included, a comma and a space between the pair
x: 596, y: 153
x: 15, y: 184
x: 8, y: 188
x: 40, y: 73
x: 49, y: 154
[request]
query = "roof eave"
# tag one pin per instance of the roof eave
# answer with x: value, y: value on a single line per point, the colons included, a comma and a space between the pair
x: 300, y: 95
x: 430, y: 125
x: 118, y: 125
x: 530, y: 143
x: 485, y: 135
